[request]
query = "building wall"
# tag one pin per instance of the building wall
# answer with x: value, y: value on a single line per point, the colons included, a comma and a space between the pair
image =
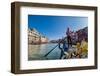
x: 34, y: 37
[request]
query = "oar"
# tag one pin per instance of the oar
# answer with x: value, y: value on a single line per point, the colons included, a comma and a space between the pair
x: 52, y: 49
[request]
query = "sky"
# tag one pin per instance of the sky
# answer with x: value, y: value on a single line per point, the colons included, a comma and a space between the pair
x: 54, y: 27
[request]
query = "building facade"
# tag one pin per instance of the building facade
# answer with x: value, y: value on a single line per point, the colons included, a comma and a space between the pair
x: 34, y: 37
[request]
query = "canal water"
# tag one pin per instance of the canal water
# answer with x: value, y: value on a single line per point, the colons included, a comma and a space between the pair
x: 37, y: 52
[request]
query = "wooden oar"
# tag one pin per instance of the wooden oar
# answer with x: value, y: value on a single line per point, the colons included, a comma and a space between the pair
x: 53, y: 48
x: 50, y: 51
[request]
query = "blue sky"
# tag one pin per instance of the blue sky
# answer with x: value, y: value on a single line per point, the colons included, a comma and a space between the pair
x: 54, y: 27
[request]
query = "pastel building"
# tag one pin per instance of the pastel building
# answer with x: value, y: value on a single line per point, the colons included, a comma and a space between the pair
x: 34, y: 37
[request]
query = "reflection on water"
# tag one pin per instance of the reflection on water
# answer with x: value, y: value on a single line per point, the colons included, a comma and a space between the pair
x: 37, y: 52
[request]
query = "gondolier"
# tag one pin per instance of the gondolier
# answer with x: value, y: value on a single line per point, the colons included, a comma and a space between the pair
x: 69, y: 40
x: 64, y: 49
